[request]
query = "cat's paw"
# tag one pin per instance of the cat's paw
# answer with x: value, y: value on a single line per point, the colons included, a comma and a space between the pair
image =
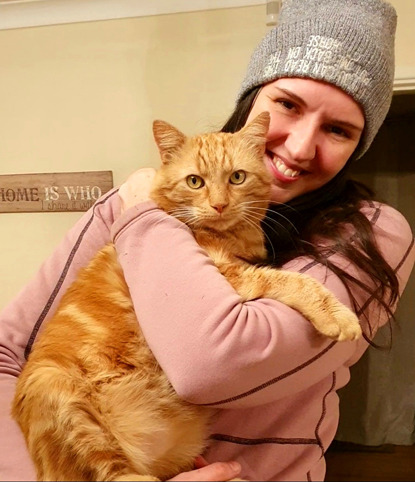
x: 343, y: 325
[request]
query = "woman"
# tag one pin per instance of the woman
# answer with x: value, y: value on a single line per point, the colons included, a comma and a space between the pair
x: 325, y: 75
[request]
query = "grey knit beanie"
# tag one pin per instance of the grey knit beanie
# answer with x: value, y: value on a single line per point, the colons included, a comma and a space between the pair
x: 348, y: 43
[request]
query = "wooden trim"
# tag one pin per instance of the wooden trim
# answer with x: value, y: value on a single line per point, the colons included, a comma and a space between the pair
x: 32, y: 13
x: 404, y: 84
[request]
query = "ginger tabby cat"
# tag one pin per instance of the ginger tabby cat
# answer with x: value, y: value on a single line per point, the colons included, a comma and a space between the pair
x: 92, y: 401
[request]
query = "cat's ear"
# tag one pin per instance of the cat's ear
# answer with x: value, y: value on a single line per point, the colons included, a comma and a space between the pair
x: 168, y: 139
x: 257, y: 129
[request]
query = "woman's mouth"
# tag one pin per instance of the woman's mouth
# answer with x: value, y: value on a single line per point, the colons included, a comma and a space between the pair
x: 281, y: 170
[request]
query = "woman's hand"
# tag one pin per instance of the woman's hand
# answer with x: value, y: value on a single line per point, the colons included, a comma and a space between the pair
x: 136, y: 189
x: 217, y: 471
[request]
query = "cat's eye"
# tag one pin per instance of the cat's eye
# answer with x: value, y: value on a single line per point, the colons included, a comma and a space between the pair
x: 237, y: 177
x: 195, y: 182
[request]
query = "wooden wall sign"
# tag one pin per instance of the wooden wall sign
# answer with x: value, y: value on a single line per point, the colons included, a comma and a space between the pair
x: 52, y: 192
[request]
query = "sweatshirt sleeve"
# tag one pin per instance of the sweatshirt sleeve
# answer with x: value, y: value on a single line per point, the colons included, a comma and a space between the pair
x: 21, y: 320
x: 216, y: 349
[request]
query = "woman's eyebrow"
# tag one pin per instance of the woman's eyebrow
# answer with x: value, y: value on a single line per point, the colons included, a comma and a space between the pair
x: 347, y: 125
x: 292, y: 95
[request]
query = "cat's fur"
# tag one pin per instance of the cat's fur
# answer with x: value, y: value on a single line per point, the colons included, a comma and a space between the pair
x: 92, y: 401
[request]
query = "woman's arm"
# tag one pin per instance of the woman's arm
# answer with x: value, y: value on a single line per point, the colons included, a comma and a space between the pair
x: 21, y: 320
x: 214, y: 348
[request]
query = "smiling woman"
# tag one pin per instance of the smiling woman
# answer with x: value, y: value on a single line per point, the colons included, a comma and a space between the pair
x: 315, y: 128
x: 321, y: 223
x: 270, y: 377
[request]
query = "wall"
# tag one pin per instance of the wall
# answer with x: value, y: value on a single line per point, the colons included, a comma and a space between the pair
x: 82, y: 97
x: 405, y: 38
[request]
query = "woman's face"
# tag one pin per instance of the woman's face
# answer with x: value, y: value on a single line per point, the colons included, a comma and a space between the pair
x: 314, y: 129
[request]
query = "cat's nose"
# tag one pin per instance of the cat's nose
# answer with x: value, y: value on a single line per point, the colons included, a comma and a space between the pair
x: 219, y: 207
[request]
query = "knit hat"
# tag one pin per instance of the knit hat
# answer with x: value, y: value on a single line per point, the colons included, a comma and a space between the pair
x: 348, y: 43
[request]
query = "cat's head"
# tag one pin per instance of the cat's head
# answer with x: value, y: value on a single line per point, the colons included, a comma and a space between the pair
x: 215, y: 180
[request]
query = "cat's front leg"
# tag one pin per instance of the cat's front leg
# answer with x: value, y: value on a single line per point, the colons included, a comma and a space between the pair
x: 301, y: 292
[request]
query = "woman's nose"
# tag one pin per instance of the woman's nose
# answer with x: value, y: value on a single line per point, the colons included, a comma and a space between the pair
x: 301, y: 142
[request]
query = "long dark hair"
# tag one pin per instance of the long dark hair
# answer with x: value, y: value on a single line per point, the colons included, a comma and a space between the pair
x: 327, y: 213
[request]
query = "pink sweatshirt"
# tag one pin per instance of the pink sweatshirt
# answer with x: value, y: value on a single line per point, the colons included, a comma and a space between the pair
x: 272, y: 379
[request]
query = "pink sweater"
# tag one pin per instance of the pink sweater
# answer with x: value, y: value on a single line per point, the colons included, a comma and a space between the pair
x: 271, y: 377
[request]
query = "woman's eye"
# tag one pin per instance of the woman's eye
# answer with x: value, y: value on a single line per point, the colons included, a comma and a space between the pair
x: 287, y: 104
x: 338, y: 131
x: 195, y: 182
x: 237, y: 177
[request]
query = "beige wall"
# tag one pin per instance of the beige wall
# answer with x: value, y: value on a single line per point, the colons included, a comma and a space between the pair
x: 405, y: 38
x: 81, y: 97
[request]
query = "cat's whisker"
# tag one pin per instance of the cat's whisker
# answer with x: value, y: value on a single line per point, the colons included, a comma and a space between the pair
x: 253, y: 219
x: 245, y: 203
x: 283, y: 204
x: 270, y: 244
x: 270, y: 203
x: 254, y: 224
x: 184, y: 217
x: 182, y: 212
x: 253, y: 201
x: 254, y: 213
x: 192, y: 220
x: 254, y: 207
x: 268, y: 222
x: 283, y: 217
x: 265, y: 220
